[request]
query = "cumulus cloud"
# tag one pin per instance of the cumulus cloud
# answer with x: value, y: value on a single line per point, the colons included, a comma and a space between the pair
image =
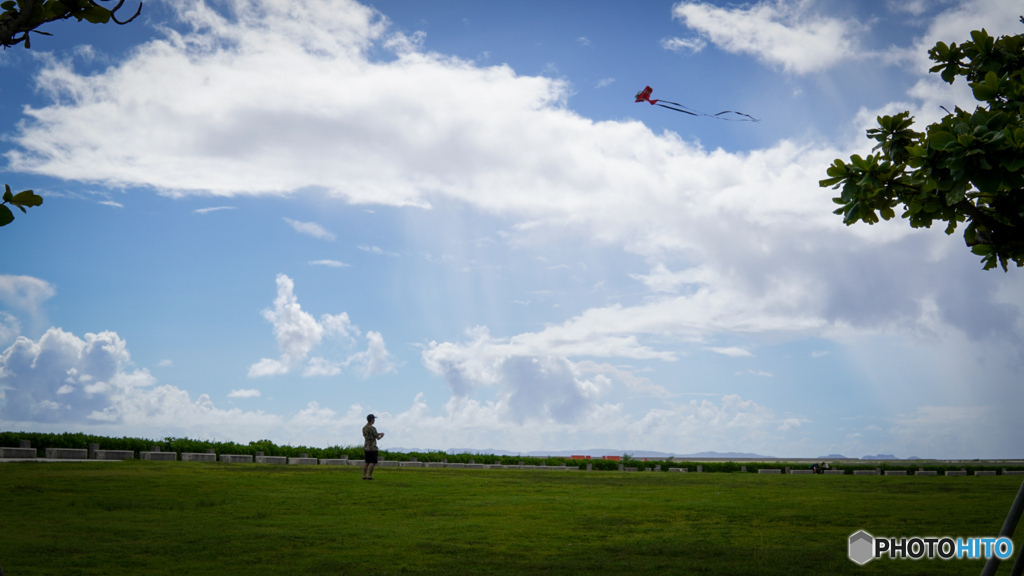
x: 782, y: 32
x: 87, y: 383
x: 24, y: 292
x: 299, y: 333
x: 62, y: 377
x: 310, y: 229
x: 375, y: 359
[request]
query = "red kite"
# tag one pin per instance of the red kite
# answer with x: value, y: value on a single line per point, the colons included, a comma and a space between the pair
x: 645, y: 96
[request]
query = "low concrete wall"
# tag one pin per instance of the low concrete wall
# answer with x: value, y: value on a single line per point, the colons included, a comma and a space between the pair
x: 114, y: 454
x: 956, y: 472
x: 926, y: 473
x: 865, y: 472
x: 672, y: 469
x: 769, y: 471
x: 18, y: 453
x: 68, y: 453
x: 895, y: 472
x: 302, y: 461
x: 334, y: 461
x: 411, y: 464
x: 836, y: 472
x: 198, y: 457
x: 271, y: 460
x: 1013, y: 472
x: 162, y: 456
x: 236, y: 458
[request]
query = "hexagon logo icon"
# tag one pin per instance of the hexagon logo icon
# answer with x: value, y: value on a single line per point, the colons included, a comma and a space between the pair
x: 861, y: 547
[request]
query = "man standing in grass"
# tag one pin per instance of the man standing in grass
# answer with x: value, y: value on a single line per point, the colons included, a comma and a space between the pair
x: 370, y: 437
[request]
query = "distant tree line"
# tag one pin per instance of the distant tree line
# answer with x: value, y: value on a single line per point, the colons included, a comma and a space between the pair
x: 43, y: 440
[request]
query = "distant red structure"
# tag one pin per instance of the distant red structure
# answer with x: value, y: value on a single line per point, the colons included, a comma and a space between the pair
x: 575, y: 457
x: 611, y: 457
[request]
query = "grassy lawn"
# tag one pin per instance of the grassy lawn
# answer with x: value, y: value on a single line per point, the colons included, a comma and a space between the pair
x: 140, y: 517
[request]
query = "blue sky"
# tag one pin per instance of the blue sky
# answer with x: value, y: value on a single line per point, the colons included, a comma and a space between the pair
x: 265, y: 219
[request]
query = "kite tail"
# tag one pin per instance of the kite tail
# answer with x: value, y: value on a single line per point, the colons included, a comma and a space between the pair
x: 680, y: 110
x: 751, y: 118
x: 687, y: 110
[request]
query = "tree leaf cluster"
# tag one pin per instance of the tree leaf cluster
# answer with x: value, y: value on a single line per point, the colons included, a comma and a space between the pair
x: 22, y: 201
x: 967, y: 168
x: 20, y: 17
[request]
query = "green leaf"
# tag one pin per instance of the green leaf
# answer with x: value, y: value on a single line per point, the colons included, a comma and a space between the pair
x: 27, y: 198
x: 7, y: 194
x: 96, y: 14
x: 9, y: 5
x: 940, y: 140
x: 6, y: 216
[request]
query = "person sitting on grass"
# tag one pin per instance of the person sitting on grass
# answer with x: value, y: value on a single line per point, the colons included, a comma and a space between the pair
x: 370, y: 437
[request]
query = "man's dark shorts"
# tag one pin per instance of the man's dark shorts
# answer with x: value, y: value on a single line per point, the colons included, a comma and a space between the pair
x: 371, y: 457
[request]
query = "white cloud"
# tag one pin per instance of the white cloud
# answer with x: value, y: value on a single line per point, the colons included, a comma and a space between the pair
x: 25, y: 292
x: 10, y: 327
x: 111, y: 203
x: 213, y: 209
x: 377, y: 250
x: 790, y: 423
x: 310, y: 229
x: 603, y: 82
x: 328, y: 263
x: 782, y: 32
x: 375, y: 359
x: 245, y: 393
x: 165, y: 363
x: 299, y: 333
x: 683, y: 44
x: 731, y: 351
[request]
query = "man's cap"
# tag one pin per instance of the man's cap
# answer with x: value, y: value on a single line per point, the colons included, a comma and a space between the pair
x: 369, y: 416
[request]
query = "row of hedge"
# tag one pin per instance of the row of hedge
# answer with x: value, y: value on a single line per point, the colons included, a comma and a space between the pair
x: 43, y: 440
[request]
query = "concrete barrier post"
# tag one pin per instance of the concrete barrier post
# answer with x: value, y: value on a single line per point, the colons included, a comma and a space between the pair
x: 93, y: 449
x: 700, y: 468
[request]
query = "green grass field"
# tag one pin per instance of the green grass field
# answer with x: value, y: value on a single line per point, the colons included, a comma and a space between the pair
x: 139, y: 517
